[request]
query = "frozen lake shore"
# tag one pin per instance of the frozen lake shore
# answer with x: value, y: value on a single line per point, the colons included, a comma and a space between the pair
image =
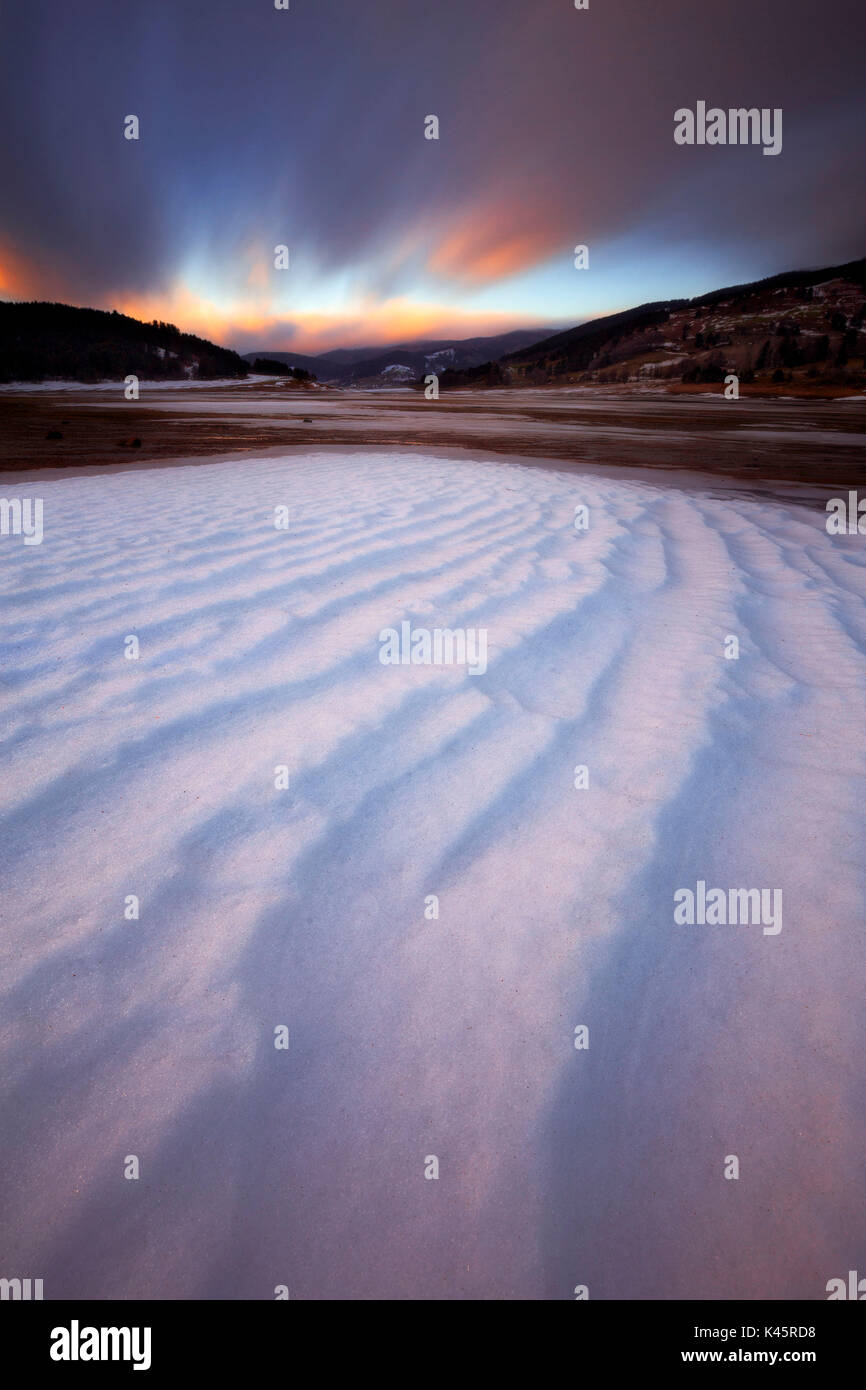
x: 758, y: 441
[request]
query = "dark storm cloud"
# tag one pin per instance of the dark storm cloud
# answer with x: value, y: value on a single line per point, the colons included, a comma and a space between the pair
x: 305, y: 126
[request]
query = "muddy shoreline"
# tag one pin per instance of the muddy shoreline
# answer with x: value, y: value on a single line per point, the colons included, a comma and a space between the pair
x: 814, y: 442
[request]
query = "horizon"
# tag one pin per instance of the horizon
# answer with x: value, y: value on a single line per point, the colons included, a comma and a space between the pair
x: 544, y: 330
x: 392, y: 236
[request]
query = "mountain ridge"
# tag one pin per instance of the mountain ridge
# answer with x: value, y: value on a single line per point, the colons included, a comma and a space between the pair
x: 363, y: 364
x: 807, y: 323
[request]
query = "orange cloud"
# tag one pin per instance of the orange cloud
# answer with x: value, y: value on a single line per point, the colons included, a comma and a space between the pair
x: 248, y: 321
x: 494, y: 244
x: 369, y: 323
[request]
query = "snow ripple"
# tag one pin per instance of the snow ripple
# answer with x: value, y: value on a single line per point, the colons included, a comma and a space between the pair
x: 305, y: 907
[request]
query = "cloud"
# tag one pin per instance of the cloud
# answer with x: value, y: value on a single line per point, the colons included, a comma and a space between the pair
x: 306, y: 127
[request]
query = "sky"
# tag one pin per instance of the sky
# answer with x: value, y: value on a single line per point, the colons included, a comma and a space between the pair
x: 305, y: 127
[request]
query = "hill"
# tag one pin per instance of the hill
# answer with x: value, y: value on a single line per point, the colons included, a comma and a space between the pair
x: 804, y: 325
x: 41, y: 341
x: 801, y: 324
x: 298, y: 361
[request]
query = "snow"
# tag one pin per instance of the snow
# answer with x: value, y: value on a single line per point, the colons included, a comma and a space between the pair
x: 305, y: 907
x: 183, y: 384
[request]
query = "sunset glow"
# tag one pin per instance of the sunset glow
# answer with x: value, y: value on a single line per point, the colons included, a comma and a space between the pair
x: 393, y: 235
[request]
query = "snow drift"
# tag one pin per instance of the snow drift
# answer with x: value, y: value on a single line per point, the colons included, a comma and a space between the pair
x: 304, y: 906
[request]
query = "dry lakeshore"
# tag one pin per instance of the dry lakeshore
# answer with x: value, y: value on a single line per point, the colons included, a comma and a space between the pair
x: 757, y: 439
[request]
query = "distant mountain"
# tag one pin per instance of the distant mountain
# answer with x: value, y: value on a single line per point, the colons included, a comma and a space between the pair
x: 346, y: 356
x: 41, y: 341
x: 404, y: 361
x: 437, y: 356
x: 802, y: 323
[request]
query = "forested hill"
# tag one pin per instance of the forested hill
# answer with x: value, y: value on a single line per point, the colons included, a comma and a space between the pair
x: 806, y: 326
x: 805, y: 323
x: 45, y: 342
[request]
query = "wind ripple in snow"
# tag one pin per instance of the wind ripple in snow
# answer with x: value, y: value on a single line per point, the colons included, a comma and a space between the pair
x: 305, y: 907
